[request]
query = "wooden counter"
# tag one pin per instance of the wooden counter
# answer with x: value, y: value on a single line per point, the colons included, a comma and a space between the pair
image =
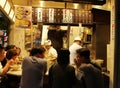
x: 15, y: 72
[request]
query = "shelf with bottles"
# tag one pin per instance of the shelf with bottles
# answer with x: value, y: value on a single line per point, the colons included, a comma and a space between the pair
x: 3, y: 37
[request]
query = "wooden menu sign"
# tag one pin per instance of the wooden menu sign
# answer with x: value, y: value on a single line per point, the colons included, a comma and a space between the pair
x: 57, y: 15
x: 39, y: 14
x: 67, y: 16
x: 51, y: 15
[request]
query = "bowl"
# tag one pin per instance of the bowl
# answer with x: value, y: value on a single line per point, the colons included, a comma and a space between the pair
x: 14, y: 67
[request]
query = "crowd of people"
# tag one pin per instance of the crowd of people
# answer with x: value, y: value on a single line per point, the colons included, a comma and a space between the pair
x: 66, y: 68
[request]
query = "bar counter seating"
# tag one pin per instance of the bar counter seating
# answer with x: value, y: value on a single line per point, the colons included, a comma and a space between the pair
x: 14, y: 76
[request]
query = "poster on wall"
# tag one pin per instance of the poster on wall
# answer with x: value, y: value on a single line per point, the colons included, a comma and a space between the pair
x: 23, y: 16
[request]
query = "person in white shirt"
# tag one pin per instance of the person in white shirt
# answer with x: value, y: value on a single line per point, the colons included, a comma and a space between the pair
x: 11, y: 55
x: 76, y: 45
x: 4, y: 70
x: 50, y: 54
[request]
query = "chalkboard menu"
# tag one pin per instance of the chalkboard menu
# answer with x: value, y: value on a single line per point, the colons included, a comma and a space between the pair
x: 57, y: 15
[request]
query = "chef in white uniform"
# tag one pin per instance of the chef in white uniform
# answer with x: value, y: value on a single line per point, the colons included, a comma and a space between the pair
x: 50, y: 53
x: 76, y: 45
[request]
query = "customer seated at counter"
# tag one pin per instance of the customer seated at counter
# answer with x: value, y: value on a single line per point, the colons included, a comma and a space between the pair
x: 12, y: 55
x: 33, y: 69
x: 61, y: 74
x: 10, y: 60
x: 88, y: 73
x: 8, y: 47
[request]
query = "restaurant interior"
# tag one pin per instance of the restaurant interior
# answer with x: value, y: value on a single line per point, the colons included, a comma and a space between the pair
x: 28, y: 23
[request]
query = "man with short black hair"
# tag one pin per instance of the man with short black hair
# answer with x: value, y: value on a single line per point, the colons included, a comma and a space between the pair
x: 33, y: 69
x: 86, y: 71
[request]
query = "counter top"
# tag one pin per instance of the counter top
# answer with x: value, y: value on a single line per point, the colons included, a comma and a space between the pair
x: 17, y: 72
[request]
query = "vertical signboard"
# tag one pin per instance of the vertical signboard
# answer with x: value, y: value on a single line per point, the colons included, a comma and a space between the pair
x: 51, y: 15
x: 39, y: 14
x: 58, y: 15
x: 70, y: 16
x: 67, y: 16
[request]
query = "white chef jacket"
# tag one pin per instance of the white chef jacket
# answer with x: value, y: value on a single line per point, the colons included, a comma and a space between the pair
x: 49, y: 55
x: 73, y: 54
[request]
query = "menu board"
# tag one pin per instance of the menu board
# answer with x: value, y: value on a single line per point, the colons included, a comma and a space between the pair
x: 51, y: 15
x: 67, y: 16
x: 57, y: 15
x: 23, y: 16
x: 39, y: 14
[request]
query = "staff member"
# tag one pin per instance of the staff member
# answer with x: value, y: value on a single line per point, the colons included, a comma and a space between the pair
x: 50, y: 53
x: 76, y: 45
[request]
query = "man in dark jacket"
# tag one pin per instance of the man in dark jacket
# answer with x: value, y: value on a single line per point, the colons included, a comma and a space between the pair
x: 62, y: 75
x: 89, y: 73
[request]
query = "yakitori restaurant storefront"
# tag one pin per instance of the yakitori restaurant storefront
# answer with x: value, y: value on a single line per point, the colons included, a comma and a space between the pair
x: 29, y: 23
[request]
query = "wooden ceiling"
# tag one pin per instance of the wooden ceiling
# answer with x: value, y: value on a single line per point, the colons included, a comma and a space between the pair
x: 49, y: 4
x: 22, y: 2
x: 39, y: 3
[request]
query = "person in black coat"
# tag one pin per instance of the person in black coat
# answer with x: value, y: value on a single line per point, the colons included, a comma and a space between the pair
x: 87, y: 72
x: 61, y: 74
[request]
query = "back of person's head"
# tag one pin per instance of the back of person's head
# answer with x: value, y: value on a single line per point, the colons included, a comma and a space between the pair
x: 8, y: 47
x: 84, y: 52
x: 10, y: 53
x: 63, y: 57
x: 37, y: 50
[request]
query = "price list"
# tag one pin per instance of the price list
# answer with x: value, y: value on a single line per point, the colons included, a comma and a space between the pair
x: 57, y: 15
x: 67, y: 16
